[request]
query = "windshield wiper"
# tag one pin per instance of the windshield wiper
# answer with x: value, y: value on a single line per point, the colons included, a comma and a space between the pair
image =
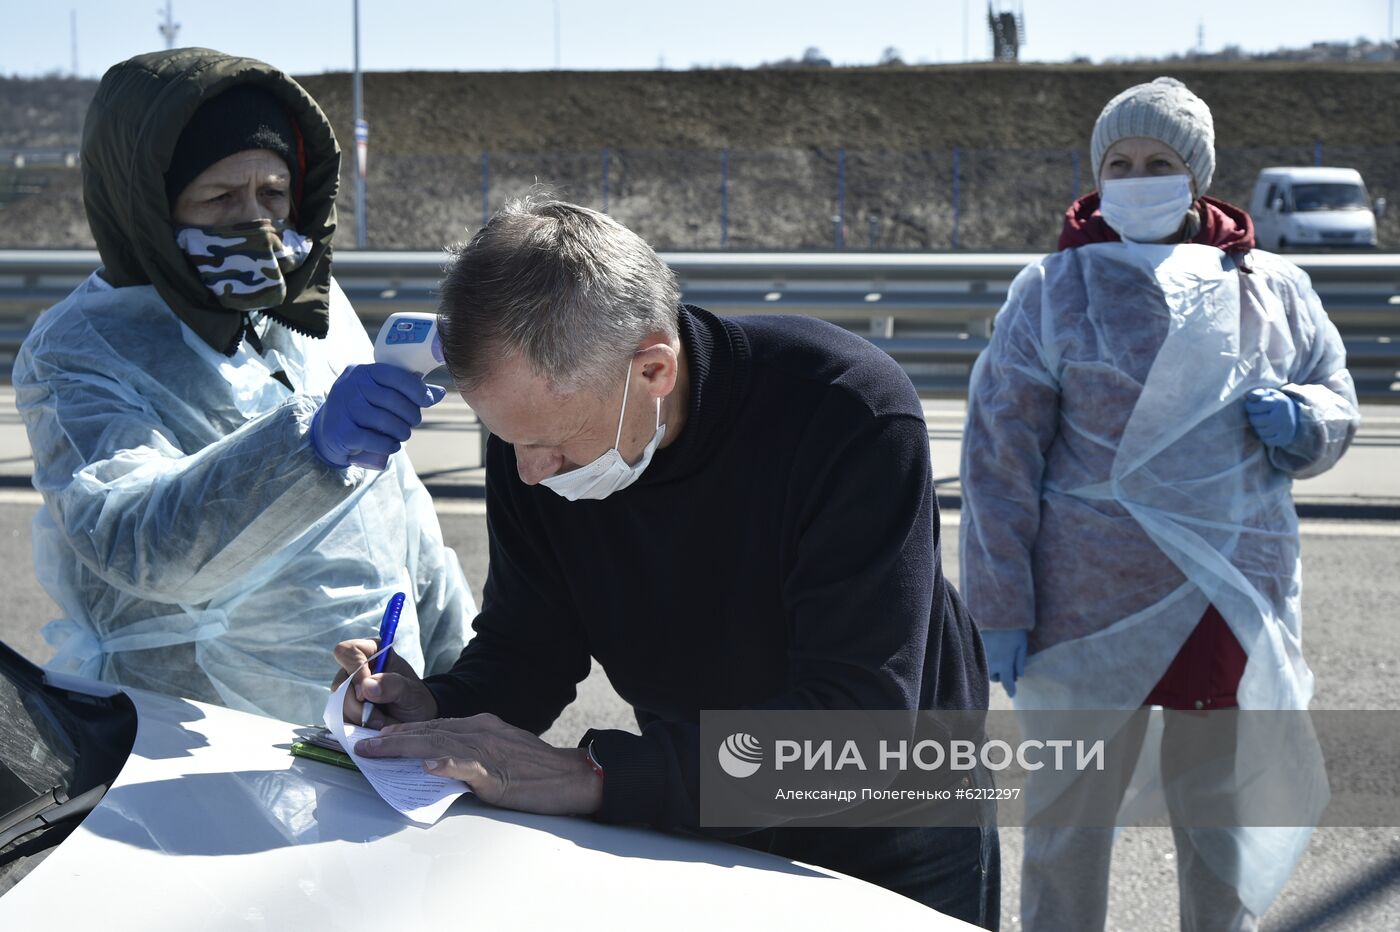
x: 46, y: 809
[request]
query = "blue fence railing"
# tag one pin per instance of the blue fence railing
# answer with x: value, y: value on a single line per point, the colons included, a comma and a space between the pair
x: 948, y: 198
x: 955, y: 198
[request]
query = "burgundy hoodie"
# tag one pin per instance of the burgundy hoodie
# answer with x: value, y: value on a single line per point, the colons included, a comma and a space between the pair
x: 1223, y: 225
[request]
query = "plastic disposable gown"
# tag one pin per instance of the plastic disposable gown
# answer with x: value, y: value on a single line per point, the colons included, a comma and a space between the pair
x: 1112, y: 486
x: 195, y: 543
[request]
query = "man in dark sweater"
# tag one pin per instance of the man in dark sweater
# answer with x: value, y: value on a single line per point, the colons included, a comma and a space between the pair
x: 724, y: 513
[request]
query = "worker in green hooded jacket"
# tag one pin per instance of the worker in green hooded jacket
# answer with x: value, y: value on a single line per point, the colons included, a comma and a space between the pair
x: 204, y: 410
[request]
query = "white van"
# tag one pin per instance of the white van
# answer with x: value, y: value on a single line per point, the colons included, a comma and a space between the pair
x: 1314, y: 208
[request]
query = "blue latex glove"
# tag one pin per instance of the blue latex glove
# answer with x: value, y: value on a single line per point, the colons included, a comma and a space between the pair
x: 369, y: 413
x: 1273, y: 415
x: 1006, y: 657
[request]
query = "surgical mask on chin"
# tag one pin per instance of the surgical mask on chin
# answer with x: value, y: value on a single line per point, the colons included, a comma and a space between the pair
x: 609, y: 473
x: 243, y: 264
x: 1145, y: 210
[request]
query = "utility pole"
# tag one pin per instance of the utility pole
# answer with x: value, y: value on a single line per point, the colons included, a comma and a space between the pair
x: 1391, y: 10
x: 965, y: 25
x: 73, y: 36
x: 169, y: 29
x: 556, y: 35
x: 361, y: 146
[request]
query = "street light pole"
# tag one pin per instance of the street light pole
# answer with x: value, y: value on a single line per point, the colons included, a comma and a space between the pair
x: 361, y: 145
x: 1391, y: 9
x: 168, y: 29
x: 965, y: 25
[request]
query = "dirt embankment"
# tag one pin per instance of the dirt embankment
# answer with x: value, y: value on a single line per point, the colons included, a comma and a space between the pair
x: 991, y: 106
x: 978, y: 158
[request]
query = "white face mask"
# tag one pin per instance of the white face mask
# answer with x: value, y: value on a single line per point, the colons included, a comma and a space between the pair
x: 609, y: 473
x: 1146, y: 210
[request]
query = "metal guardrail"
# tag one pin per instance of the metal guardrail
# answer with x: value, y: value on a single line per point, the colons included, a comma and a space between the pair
x: 37, y: 158
x: 932, y: 312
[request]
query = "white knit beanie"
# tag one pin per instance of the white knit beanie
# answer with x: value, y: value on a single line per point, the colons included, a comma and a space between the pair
x: 1165, y: 110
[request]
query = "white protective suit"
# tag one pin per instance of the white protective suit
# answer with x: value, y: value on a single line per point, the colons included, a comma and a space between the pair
x: 195, y: 543
x: 1112, y: 486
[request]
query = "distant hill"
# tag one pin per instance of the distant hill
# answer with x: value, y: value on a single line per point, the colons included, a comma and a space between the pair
x: 42, y: 113
x: 1025, y: 106
x: 1018, y: 131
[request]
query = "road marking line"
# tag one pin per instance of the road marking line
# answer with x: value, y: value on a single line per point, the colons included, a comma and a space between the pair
x: 459, y: 506
x: 948, y: 519
x: 1313, y: 527
x: 442, y: 504
x: 1332, y: 528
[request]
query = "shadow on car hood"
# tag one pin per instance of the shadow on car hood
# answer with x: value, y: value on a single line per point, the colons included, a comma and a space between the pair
x: 212, y: 823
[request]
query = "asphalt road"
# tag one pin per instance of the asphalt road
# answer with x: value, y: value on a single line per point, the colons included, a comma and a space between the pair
x: 1349, y: 879
x: 446, y: 453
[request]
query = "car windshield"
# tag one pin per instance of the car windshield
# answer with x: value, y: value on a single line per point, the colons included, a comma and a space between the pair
x: 36, y: 754
x: 1308, y: 197
x: 59, y: 751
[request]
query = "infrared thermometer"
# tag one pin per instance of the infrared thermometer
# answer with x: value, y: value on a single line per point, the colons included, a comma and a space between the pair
x: 410, y: 341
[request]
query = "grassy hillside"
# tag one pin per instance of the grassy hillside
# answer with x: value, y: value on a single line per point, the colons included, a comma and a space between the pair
x: 1028, y: 106
x: 981, y: 157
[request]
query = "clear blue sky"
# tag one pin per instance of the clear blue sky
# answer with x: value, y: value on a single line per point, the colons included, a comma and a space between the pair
x: 303, y: 36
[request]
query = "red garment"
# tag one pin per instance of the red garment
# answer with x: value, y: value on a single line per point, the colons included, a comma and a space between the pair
x: 1206, y: 671
x: 1223, y: 225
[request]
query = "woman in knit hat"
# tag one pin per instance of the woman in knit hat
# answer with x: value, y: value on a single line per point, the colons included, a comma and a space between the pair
x: 202, y: 417
x: 1128, y: 536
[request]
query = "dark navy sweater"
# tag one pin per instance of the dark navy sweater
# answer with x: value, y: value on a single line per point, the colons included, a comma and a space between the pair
x: 782, y: 553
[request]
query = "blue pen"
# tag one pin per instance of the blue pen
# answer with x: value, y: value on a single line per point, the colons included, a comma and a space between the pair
x: 387, y: 628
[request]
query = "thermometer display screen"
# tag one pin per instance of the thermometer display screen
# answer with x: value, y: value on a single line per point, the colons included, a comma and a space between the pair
x: 409, y: 331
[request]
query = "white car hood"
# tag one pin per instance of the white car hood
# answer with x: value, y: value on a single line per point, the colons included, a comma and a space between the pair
x: 213, y: 825
x: 1334, y: 221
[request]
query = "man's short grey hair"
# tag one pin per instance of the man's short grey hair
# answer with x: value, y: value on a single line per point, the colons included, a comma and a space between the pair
x: 572, y: 290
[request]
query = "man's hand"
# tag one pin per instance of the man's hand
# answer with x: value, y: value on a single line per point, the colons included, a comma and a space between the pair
x: 504, y: 765
x: 397, y: 693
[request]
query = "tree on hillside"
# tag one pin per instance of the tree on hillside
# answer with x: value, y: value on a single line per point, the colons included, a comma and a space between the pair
x: 890, y: 57
x: 812, y: 57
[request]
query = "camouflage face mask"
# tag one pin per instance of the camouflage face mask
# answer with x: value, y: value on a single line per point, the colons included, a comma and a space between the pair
x: 243, y: 263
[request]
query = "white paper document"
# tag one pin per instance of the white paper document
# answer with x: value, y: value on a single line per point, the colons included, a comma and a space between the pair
x: 402, y: 782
